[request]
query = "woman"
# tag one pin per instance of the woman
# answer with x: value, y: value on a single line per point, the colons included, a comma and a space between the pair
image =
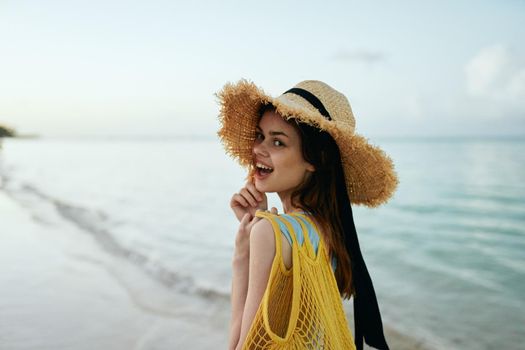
x: 290, y: 270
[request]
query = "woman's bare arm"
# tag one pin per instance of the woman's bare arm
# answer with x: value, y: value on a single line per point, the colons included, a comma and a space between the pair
x: 240, y: 270
x: 240, y: 265
x: 244, y: 204
x: 262, y: 253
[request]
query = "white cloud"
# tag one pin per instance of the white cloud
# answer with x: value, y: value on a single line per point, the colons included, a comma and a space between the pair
x: 497, y: 74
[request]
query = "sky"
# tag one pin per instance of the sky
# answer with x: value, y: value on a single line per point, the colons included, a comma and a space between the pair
x: 151, y: 68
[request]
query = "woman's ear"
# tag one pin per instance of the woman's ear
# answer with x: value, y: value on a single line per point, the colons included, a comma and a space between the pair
x: 310, y: 167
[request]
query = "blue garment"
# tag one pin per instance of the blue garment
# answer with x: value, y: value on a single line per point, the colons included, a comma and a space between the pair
x: 293, y: 220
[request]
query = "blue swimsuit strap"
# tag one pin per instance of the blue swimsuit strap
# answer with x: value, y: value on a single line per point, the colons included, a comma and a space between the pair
x: 312, y: 233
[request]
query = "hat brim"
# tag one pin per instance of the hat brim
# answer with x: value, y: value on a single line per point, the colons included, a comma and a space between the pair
x: 369, y: 172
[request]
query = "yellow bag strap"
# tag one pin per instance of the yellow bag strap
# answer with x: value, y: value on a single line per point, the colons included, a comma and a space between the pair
x: 294, y: 313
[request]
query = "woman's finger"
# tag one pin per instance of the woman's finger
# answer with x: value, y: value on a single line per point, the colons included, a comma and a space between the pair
x: 274, y: 210
x: 249, y: 197
x: 255, y: 193
x: 243, y: 234
x: 239, y: 199
x: 246, y: 218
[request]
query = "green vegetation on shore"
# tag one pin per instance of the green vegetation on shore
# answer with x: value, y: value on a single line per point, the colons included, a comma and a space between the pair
x: 7, y: 132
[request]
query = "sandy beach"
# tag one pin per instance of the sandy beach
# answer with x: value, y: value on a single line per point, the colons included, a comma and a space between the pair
x: 61, y: 291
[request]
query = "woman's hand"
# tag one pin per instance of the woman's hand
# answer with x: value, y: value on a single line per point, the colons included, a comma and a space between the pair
x: 248, y: 201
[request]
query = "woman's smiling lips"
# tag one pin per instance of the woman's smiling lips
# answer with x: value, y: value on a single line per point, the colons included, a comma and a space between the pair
x: 260, y: 175
x: 263, y: 170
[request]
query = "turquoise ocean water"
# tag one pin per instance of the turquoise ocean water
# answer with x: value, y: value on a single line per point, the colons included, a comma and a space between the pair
x: 446, y: 253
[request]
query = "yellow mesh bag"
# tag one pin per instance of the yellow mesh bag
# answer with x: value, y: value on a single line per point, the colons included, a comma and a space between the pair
x: 301, y: 307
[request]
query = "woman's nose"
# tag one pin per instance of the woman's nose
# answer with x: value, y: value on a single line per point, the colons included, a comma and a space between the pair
x: 259, y: 149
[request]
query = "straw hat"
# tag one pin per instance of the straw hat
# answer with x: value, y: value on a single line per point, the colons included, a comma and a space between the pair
x: 369, y: 172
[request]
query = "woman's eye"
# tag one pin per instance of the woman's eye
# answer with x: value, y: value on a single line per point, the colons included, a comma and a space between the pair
x: 276, y: 142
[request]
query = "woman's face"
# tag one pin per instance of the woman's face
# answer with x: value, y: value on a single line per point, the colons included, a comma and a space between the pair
x: 278, y: 146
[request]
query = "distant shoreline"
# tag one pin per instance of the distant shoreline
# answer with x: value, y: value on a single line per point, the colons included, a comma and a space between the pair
x: 27, y: 136
x: 205, y: 137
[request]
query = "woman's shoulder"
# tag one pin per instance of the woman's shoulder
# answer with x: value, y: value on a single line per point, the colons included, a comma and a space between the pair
x: 262, y: 230
x: 276, y: 224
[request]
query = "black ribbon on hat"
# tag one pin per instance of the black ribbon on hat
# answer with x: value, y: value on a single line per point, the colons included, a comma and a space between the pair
x: 314, y: 101
x: 367, y: 317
